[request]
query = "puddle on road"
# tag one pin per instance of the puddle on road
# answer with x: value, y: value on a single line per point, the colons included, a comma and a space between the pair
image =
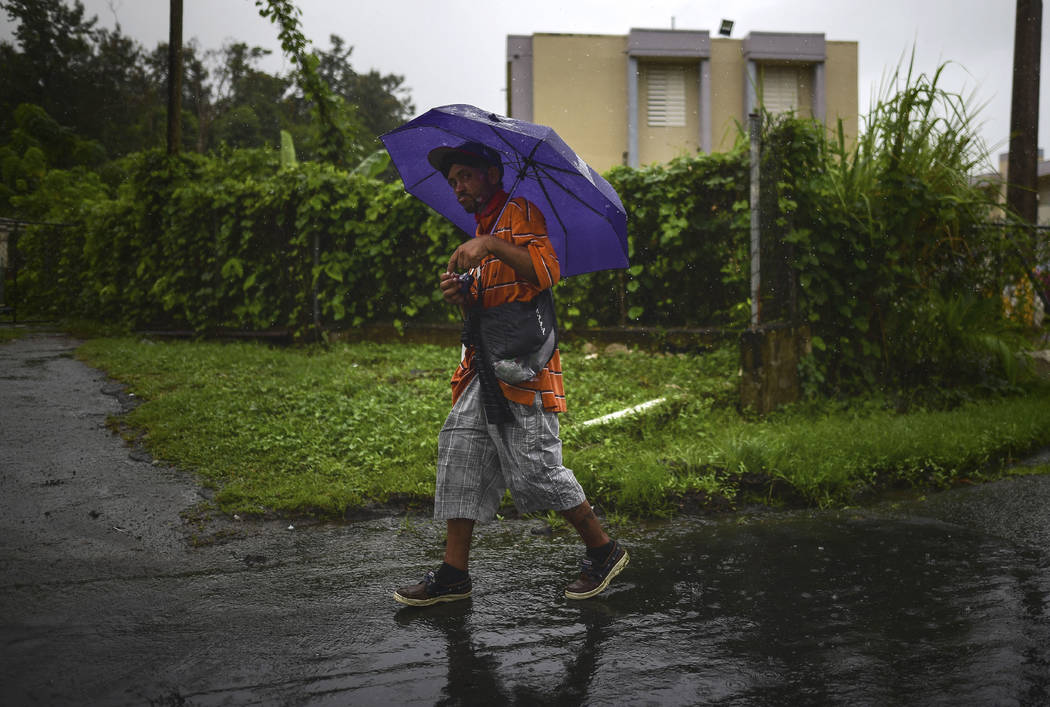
x: 871, y: 608
x: 826, y: 609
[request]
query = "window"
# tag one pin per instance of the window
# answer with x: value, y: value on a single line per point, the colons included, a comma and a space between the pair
x: 666, y: 105
x: 780, y: 88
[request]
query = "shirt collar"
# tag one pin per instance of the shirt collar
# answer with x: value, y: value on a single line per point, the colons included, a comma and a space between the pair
x: 486, y: 216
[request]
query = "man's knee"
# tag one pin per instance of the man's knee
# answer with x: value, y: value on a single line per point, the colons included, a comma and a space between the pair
x: 581, y: 511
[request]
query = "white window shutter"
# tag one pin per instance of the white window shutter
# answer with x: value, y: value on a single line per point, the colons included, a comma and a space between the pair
x: 780, y: 88
x: 666, y: 104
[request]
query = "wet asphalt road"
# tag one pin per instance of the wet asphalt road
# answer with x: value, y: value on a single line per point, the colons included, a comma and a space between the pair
x: 108, y: 596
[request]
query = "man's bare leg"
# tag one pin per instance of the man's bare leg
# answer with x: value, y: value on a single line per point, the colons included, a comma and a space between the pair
x: 587, y: 525
x: 605, y: 559
x: 450, y: 582
x: 457, y: 543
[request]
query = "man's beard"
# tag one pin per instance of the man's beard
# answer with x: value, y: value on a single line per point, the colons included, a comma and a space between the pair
x: 472, y: 205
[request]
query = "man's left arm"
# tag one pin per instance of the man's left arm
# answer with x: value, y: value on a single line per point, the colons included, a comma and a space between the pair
x: 528, y: 251
x: 471, y: 253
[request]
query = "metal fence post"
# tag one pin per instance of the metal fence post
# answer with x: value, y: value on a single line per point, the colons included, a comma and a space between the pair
x: 755, y: 130
x: 316, y: 280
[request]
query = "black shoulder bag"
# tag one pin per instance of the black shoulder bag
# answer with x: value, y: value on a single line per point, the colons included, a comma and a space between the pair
x: 514, y: 341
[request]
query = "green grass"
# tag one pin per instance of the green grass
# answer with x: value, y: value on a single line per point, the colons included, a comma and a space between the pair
x: 314, y: 430
x: 10, y: 334
x: 288, y: 429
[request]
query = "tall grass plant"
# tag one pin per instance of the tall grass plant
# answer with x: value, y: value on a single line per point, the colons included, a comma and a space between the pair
x: 895, y: 259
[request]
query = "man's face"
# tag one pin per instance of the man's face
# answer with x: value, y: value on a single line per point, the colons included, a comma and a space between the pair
x: 473, y: 186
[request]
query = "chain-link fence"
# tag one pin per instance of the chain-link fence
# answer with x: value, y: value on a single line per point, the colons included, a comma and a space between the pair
x: 12, y: 262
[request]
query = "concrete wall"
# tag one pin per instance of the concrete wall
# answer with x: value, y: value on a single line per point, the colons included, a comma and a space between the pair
x: 840, y: 86
x: 728, y: 70
x: 805, y: 78
x: 580, y: 89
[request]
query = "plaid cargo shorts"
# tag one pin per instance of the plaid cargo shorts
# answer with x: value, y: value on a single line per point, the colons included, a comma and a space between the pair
x: 478, y: 462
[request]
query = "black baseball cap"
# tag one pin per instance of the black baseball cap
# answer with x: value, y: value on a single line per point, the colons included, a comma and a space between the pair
x: 472, y: 154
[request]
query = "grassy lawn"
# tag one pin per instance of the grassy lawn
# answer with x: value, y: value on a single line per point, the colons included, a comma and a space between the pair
x: 10, y: 333
x: 318, y: 430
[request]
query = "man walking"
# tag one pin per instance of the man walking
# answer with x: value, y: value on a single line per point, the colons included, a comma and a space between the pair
x: 512, y: 260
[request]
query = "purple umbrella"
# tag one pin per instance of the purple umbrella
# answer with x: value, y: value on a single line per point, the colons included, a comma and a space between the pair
x: 586, y: 222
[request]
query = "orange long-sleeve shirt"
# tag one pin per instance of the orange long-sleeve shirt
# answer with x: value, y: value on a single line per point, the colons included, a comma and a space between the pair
x: 521, y: 224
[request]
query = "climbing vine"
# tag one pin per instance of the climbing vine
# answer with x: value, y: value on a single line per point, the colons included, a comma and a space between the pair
x: 338, y: 145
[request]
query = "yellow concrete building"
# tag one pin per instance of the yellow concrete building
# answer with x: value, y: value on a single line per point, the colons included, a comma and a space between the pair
x: 654, y: 94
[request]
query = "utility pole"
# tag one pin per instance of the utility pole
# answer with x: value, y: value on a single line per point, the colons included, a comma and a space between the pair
x: 1022, y: 188
x: 175, y: 78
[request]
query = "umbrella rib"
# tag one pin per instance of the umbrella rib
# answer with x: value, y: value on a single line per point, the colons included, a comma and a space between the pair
x: 507, y: 142
x: 428, y: 175
x: 529, y: 160
x: 568, y: 191
x: 526, y: 161
x: 545, y: 169
x: 521, y: 175
x: 565, y: 243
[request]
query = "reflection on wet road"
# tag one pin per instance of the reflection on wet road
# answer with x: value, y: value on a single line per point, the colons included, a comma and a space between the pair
x: 814, y: 609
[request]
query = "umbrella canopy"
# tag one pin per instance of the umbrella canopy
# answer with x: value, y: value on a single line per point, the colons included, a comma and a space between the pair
x: 586, y: 221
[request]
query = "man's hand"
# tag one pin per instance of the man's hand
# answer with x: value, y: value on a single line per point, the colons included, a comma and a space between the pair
x: 451, y: 289
x: 470, y: 254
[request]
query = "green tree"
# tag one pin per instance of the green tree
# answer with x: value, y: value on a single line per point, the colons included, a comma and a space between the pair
x: 93, y: 81
x: 124, y: 94
x: 250, y: 106
x: 36, y: 145
x: 381, y: 103
x: 54, y: 67
x: 104, y: 86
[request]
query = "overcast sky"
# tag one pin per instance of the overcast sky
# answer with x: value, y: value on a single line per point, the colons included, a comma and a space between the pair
x: 454, y: 51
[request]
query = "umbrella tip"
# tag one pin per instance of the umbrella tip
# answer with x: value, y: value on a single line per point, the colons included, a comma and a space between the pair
x: 494, y: 118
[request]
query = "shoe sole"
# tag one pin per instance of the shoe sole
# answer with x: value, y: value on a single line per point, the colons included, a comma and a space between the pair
x: 430, y: 602
x: 617, y: 569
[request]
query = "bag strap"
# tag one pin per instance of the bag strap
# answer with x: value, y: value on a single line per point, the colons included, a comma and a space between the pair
x: 497, y: 408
